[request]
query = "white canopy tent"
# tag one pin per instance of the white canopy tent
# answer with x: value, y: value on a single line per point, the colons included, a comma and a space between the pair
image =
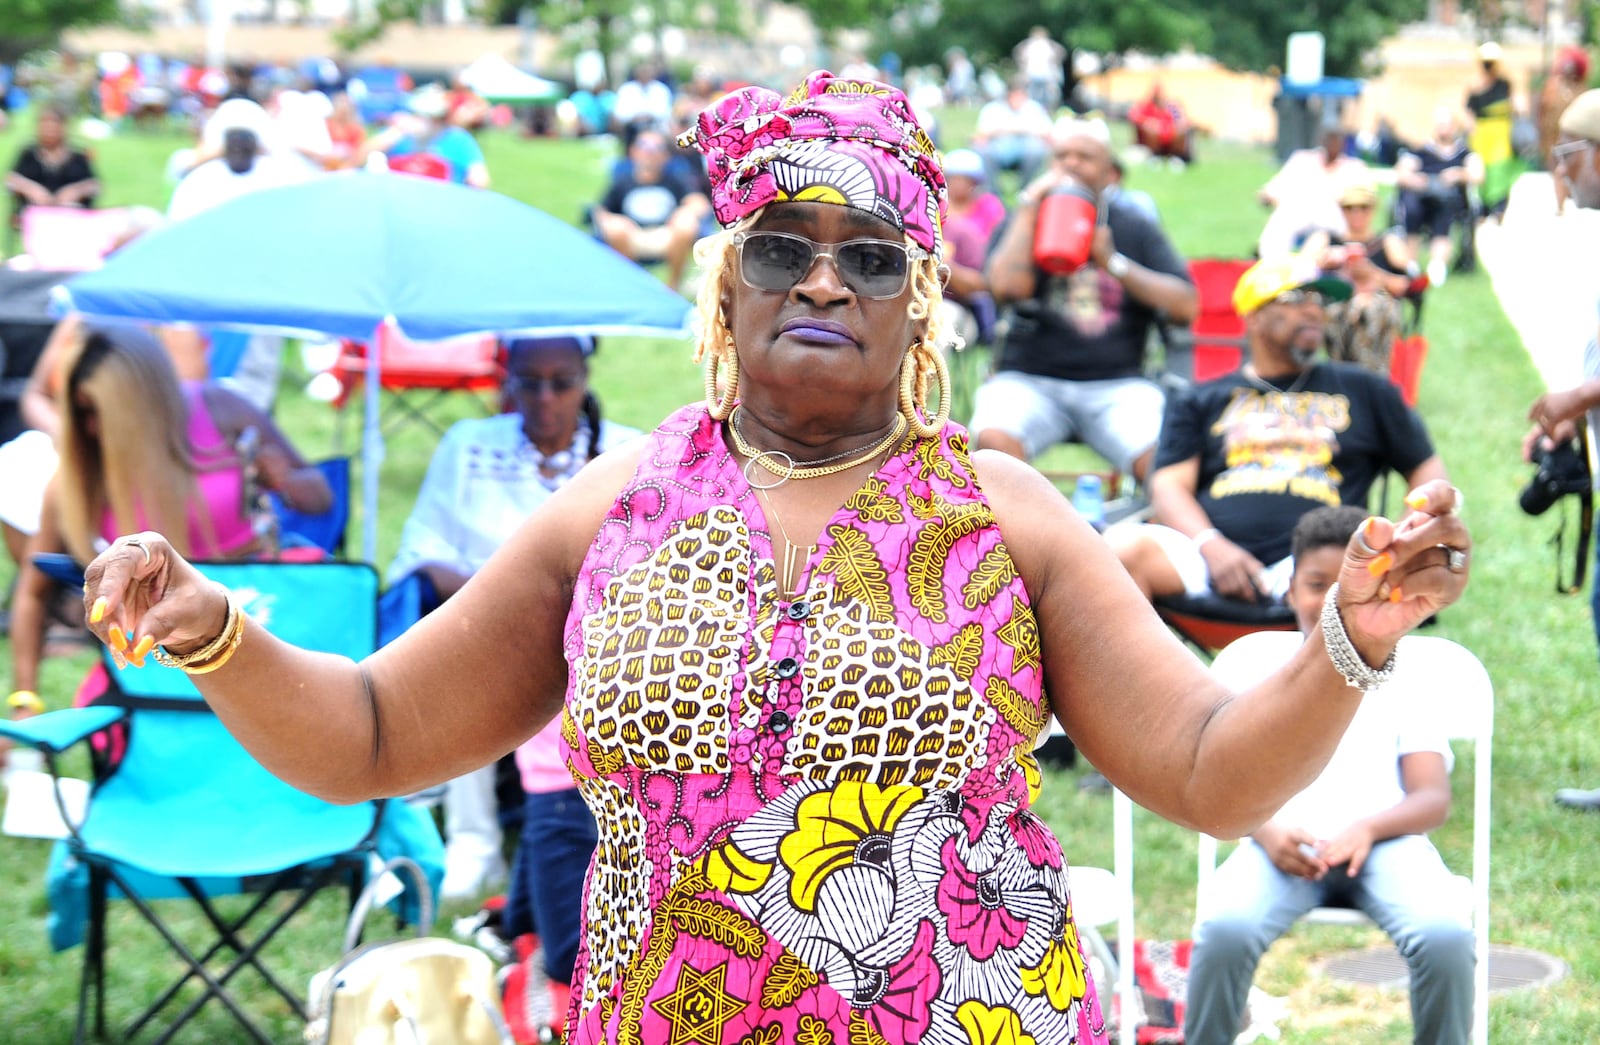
x: 497, y: 80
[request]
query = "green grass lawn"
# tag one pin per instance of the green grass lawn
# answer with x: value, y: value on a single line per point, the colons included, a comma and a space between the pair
x: 1538, y: 647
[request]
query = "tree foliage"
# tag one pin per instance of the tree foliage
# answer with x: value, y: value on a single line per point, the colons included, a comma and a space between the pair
x: 608, y: 25
x: 1245, y: 34
x: 1255, y: 32
x: 988, y: 31
x: 29, y: 24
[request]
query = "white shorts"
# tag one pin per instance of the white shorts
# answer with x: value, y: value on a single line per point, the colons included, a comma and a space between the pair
x: 1120, y: 419
x: 27, y: 462
x: 1196, y: 575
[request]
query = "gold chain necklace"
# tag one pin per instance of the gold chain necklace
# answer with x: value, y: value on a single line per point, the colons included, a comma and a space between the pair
x: 794, y: 556
x: 788, y: 468
x: 1252, y: 376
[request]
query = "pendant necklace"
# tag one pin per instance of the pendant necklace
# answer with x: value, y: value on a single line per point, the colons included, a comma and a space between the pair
x: 794, y: 556
x: 1250, y: 375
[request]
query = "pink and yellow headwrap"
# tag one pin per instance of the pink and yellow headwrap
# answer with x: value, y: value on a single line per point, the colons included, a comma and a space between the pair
x: 851, y: 142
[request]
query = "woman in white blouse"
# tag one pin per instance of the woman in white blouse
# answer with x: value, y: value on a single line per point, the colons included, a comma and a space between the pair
x: 487, y: 475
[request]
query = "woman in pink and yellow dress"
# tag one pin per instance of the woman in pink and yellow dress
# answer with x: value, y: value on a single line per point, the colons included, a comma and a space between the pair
x: 799, y: 639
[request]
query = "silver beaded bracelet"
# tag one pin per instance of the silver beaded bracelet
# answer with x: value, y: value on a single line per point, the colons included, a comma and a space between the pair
x: 1358, y: 674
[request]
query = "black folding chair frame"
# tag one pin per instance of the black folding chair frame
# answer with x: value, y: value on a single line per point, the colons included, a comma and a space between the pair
x: 103, y: 874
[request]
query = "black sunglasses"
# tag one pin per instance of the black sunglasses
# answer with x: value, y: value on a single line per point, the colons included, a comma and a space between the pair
x: 872, y: 268
x: 516, y: 384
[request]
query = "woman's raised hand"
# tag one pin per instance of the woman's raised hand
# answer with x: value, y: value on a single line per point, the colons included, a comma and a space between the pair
x: 1398, y: 574
x: 140, y: 593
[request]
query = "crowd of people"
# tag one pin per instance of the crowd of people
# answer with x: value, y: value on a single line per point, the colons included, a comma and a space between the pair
x: 687, y: 636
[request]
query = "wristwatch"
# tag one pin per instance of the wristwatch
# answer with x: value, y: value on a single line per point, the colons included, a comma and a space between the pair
x: 1119, y: 266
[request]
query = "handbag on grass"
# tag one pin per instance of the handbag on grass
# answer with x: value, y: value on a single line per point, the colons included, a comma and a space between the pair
x: 426, y: 990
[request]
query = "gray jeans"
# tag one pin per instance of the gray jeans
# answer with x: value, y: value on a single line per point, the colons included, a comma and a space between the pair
x: 1403, y: 886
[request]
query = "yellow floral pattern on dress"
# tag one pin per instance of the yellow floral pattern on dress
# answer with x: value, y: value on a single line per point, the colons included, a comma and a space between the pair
x: 992, y: 1026
x: 1060, y: 977
x: 832, y: 827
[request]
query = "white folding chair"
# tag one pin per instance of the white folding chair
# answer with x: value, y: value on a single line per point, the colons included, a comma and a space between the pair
x: 1101, y: 897
x: 1463, y: 699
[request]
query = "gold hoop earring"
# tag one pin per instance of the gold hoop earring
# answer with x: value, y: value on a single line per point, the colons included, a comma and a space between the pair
x: 921, y: 362
x: 719, y: 404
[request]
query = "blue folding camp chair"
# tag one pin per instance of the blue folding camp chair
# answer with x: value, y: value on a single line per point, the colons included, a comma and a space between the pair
x: 182, y: 810
x: 326, y: 530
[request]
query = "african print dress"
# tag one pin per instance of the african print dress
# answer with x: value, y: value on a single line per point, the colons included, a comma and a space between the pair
x: 813, y: 812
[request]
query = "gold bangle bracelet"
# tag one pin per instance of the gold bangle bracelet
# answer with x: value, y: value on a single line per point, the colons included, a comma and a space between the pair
x: 215, y: 653
x: 25, y: 700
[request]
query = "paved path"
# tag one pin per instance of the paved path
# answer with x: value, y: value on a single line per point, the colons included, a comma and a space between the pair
x: 1546, y: 272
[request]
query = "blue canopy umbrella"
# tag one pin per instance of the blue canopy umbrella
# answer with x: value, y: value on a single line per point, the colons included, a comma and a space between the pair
x: 344, y: 253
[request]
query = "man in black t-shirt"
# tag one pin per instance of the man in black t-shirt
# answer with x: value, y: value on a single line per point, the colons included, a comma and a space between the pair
x: 1072, y: 361
x: 652, y: 211
x: 1244, y: 456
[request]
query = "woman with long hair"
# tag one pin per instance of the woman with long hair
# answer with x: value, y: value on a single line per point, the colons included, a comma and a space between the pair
x: 138, y: 448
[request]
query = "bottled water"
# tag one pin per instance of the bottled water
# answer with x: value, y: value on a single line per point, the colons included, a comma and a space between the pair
x: 1089, y: 500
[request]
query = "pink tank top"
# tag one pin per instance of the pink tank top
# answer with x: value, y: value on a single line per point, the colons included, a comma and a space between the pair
x: 219, y: 481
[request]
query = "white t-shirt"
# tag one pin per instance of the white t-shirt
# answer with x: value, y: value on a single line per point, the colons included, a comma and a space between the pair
x: 997, y: 119
x: 1307, y: 195
x: 635, y: 100
x: 1363, y: 776
x: 213, y: 183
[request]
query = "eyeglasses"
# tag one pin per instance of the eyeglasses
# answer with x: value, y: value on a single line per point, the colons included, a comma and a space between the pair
x: 1559, y: 153
x: 560, y: 383
x: 872, y: 268
x: 1300, y: 297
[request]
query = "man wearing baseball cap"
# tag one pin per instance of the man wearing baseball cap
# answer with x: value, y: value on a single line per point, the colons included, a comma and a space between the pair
x: 1575, y: 162
x: 1243, y: 456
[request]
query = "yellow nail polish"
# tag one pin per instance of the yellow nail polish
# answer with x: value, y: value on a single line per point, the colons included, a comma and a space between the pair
x: 119, y: 641
x: 140, y: 651
x: 1380, y: 566
x: 1416, y: 500
x: 1395, y: 595
x: 98, y: 611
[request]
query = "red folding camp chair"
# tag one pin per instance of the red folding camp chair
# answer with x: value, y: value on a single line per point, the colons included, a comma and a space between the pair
x: 1210, y: 622
x: 1218, y: 330
x: 472, y: 364
x: 1405, y: 365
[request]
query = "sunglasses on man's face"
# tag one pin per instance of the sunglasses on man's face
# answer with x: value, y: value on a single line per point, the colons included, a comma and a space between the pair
x: 871, y: 268
x: 1300, y: 297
